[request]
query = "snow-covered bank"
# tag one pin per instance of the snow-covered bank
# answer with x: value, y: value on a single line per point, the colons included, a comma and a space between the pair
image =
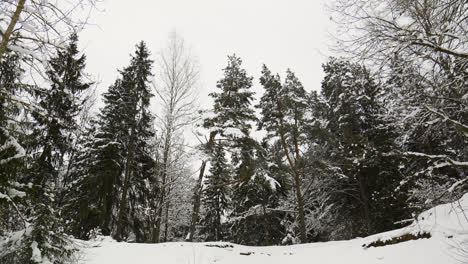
x: 447, y: 224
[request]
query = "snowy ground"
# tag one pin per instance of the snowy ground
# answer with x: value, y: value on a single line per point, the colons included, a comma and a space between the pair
x: 448, y: 225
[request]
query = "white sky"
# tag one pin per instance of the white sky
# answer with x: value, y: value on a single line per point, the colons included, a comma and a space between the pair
x: 280, y: 33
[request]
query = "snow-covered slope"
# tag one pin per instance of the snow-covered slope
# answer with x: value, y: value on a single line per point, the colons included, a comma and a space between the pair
x: 447, y: 224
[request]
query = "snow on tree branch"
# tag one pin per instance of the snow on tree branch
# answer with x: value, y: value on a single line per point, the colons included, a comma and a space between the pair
x: 438, y: 157
x: 461, y: 127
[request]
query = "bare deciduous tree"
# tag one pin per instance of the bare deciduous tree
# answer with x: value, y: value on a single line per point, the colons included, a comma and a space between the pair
x: 176, y: 90
x: 36, y: 27
x: 35, y: 30
x: 378, y: 29
x: 432, y: 36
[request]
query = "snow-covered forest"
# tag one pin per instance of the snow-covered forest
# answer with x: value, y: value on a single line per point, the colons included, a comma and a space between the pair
x: 382, y: 140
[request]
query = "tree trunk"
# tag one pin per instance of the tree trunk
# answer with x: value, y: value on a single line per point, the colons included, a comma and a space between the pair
x: 218, y: 221
x: 196, y: 202
x: 157, y: 227
x: 128, y: 171
x: 197, y: 192
x: 297, y: 184
x: 11, y: 26
x: 295, y: 174
x: 266, y: 227
x: 166, y: 219
x: 365, y: 205
x: 300, y: 205
x: 162, y: 199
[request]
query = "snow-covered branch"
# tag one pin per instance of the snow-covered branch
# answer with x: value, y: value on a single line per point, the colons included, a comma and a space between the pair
x: 461, y: 127
x: 438, y: 157
x: 35, y: 28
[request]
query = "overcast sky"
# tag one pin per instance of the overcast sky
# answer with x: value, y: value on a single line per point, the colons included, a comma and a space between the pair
x: 280, y: 33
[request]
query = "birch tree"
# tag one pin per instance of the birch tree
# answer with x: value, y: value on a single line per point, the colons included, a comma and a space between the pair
x: 35, y: 28
x: 175, y: 89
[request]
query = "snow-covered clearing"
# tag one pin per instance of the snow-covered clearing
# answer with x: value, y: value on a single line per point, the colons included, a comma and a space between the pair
x: 447, y: 224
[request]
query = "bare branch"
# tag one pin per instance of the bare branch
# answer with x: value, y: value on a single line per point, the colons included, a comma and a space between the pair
x: 11, y: 26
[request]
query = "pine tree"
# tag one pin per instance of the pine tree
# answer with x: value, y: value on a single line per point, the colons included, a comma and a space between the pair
x: 283, y: 108
x: 54, y: 140
x: 433, y: 74
x: 232, y: 105
x: 99, y: 180
x: 233, y: 115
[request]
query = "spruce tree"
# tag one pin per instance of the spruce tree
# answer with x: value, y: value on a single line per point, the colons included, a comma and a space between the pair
x: 51, y: 143
x: 365, y: 148
x: 13, y: 193
x: 61, y: 103
x: 216, y: 196
x: 11, y: 152
x: 254, y: 220
x: 114, y: 188
x: 87, y: 204
x: 99, y: 180
x: 417, y: 106
x: 136, y: 93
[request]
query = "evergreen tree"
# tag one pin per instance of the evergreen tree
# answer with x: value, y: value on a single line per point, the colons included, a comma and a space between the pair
x: 232, y: 105
x: 427, y: 112
x: 87, y: 205
x: 11, y: 153
x: 431, y: 74
x: 323, y: 189
x: 99, y: 182
x: 365, y: 148
x: 216, y: 196
x: 138, y: 120
x: 53, y: 141
x: 233, y: 115
x: 13, y: 199
x: 254, y: 220
x: 114, y: 189
x: 52, y: 134
x: 50, y: 145
x: 283, y: 108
